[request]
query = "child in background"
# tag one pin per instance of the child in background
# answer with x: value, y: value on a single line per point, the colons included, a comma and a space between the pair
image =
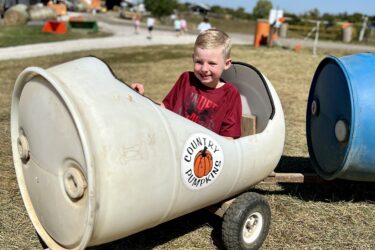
x: 150, y: 26
x: 136, y: 22
x: 202, y: 96
x: 177, y: 26
x: 204, y: 25
x: 183, y: 25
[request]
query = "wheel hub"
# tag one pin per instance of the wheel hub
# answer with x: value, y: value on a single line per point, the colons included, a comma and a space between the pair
x: 252, y: 227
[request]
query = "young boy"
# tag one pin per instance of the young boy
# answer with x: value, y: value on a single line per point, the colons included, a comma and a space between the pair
x: 201, y: 95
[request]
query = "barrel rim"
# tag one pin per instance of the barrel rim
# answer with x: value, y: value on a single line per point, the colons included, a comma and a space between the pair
x: 343, y: 166
x: 25, y: 76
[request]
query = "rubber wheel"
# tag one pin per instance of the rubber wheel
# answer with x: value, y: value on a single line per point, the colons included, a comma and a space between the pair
x: 246, y: 222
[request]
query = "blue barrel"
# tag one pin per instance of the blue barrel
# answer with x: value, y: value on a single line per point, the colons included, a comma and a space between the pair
x: 340, y: 119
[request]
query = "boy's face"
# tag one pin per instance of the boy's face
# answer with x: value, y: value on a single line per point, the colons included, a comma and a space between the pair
x: 209, y: 64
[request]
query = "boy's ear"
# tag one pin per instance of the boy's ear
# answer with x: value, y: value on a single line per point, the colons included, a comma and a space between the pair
x: 228, y: 63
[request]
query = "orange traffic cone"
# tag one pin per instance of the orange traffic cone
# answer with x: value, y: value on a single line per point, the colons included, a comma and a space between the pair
x: 57, y: 27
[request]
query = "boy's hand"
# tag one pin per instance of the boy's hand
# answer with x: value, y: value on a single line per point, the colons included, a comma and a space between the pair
x: 138, y: 87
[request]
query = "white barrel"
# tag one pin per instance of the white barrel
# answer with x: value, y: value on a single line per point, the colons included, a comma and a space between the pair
x: 96, y: 161
x: 347, y: 34
x: 283, y: 32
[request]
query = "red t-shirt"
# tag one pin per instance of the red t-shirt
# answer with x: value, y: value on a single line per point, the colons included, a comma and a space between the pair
x: 218, y: 109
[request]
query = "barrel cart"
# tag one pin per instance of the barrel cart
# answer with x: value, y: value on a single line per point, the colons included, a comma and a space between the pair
x: 92, y: 157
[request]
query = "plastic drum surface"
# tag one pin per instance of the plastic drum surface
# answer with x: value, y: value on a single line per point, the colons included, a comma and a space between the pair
x: 96, y: 161
x: 339, y: 117
x: 56, y: 151
x: 53, y: 169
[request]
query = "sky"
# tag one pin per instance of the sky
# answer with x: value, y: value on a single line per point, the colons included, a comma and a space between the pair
x: 300, y: 6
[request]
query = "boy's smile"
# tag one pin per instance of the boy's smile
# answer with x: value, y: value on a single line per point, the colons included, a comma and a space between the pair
x: 209, y: 65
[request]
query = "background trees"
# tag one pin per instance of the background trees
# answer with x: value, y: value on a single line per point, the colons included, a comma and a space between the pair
x: 160, y: 8
x: 262, y: 9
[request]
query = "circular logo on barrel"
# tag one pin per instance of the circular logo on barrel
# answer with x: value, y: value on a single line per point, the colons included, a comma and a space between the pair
x: 202, y: 161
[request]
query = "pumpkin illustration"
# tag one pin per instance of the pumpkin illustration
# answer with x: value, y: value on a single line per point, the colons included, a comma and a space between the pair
x: 202, y: 163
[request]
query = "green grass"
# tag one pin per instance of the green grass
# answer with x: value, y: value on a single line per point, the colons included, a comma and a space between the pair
x: 225, y: 24
x: 25, y: 34
x: 335, y: 215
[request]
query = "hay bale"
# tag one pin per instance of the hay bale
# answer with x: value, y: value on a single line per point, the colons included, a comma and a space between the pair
x: 126, y: 14
x: 16, y: 15
x: 41, y: 13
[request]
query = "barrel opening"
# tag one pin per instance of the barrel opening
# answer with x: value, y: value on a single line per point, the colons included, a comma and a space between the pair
x: 255, y: 95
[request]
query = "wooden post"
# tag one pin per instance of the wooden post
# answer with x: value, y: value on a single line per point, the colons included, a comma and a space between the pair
x: 248, y: 125
x: 292, y: 178
x: 316, y: 37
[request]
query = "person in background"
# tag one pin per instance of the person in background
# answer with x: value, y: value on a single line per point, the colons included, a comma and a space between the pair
x: 150, y: 26
x: 136, y: 22
x: 201, y: 95
x: 204, y: 25
x: 183, y: 25
x: 177, y: 26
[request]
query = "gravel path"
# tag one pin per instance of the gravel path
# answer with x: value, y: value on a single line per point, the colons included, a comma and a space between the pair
x: 124, y: 36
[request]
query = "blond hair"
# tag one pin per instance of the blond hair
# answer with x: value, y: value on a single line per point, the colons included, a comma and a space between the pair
x: 214, y: 38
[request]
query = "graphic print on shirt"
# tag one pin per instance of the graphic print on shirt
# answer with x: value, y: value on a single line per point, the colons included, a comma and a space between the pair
x: 199, y: 109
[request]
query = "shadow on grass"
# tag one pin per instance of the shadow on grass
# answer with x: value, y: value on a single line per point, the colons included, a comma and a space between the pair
x: 169, y: 231
x: 326, y: 191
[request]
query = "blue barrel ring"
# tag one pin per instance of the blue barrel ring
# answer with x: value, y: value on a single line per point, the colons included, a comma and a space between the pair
x: 340, y: 118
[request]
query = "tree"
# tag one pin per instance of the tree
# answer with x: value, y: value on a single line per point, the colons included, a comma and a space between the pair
x: 293, y: 18
x: 160, y: 8
x: 262, y: 8
x: 313, y: 14
x: 355, y: 18
x: 217, y: 9
x: 240, y: 13
x: 330, y: 20
x: 183, y: 7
